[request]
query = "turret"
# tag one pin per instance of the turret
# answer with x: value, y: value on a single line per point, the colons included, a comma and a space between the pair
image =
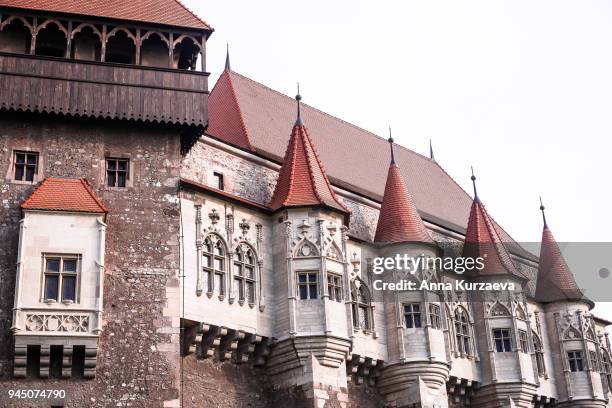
x: 413, y: 375
x: 311, y: 274
x: 576, y: 352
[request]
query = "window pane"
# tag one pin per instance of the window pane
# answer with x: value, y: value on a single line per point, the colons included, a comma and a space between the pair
x: 69, y: 288
x: 303, y: 292
x: 70, y: 265
x: 312, y: 277
x: 206, y: 261
x: 251, y: 292
x: 417, y: 320
x: 111, y: 164
x: 51, y: 289
x: 30, y: 173
x: 238, y: 269
x: 123, y: 165
x: 507, y: 345
x: 218, y: 284
x: 19, y: 158
x: 416, y: 308
x: 249, y: 272
x: 302, y: 278
x: 111, y: 179
x: 53, y: 265
x: 313, y: 291
x: 32, y: 159
x: 18, y: 172
x: 219, y: 264
x: 121, y: 180
x: 409, y: 321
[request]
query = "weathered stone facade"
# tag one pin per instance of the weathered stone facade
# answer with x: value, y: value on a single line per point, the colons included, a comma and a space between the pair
x: 141, y: 279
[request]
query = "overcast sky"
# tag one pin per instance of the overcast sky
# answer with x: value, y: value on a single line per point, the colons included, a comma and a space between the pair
x: 521, y: 90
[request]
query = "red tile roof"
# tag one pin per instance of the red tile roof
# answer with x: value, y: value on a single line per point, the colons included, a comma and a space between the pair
x: 399, y: 220
x: 224, y: 115
x: 555, y: 280
x: 166, y: 12
x: 348, y: 152
x: 302, y: 180
x: 482, y: 239
x: 59, y: 194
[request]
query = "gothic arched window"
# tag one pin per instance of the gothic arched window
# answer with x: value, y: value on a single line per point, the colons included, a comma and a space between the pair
x: 362, y: 306
x: 214, y: 264
x: 606, y: 370
x: 539, y: 354
x: 462, y: 331
x: 244, y: 274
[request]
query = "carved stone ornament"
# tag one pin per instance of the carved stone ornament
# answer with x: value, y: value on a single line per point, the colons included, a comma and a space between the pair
x: 57, y: 323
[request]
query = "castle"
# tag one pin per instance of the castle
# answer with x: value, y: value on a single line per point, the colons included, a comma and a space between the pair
x: 164, y: 245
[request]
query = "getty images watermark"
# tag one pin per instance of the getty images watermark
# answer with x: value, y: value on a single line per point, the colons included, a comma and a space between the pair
x: 406, y: 264
x: 590, y: 263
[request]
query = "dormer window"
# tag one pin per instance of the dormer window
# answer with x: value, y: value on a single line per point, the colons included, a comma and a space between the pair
x: 26, y: 166
x: 117, y: 172
x: 60, y: 277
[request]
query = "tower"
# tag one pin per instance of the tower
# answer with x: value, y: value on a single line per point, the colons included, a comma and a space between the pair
x: 417, y: 370
x: 311, y: 276
x: 577, y: 354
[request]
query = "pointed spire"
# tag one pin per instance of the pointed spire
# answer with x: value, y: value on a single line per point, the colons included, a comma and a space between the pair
x: 298, y: 98
x: 227, y: 59
x: 431, y: 152
x: 473, y: 178
x: 399, y: 219
x: 391, y: 144
x: 542, y: 208
x: 482, y: 240
x: 302, y: 181
x: 555, y: 279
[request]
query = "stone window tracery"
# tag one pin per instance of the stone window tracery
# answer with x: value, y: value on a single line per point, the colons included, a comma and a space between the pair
x: 502, y: 340
x: 539, y: 354
x: 435, y: 316
x: 575, y: 361
x: 244, y: 274
x: 462, y: 331
x: 60, y: 278
x: 214, y: 265
x: 307, y: 285
x: 412, y: 315
x: 362, y: 306
x: 334, y: 287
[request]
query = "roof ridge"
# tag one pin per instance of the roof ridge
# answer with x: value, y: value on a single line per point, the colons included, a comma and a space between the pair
x: 331, y: 116
x: 193, y: 13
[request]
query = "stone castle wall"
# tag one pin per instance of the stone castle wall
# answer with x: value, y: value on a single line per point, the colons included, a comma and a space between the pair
x: 138, y: 355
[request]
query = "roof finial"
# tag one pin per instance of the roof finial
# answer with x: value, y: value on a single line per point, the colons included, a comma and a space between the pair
x: 227, y: 59
x: 391, y: 144
x: 476, y: 199
x: 298, y: 98
x: 542, y: 208
x: 431, y: 153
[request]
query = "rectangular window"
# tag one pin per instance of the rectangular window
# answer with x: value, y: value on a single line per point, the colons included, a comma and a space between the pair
x: 60, y: 277
x: 412, y: 315
x: 434, y: 316
x: 523, y: 341
x: 218, y: 181
x: 307, y: 285
x: 218, y: 286
x: 502, y: 340
x: 117, y: 172
x: 26, y: 166
x: 593, y: 360
x: 575, y: 361
x: 334, y: 287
